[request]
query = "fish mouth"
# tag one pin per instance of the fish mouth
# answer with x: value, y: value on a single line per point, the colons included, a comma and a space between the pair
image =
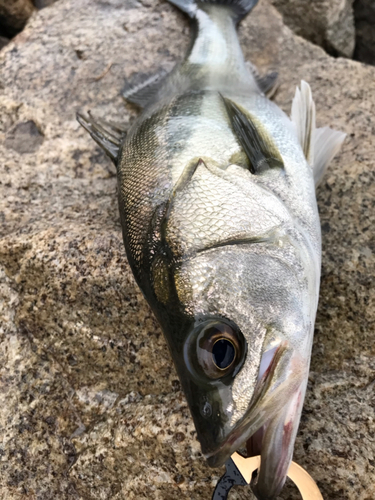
x: 253, y: 420
x: 273, y: 418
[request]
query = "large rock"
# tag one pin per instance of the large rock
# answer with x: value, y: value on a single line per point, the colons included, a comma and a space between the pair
x: 328, y: 23
x: 90, y: 404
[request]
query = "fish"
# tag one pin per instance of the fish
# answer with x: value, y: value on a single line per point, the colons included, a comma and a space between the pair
x: 216, y: 188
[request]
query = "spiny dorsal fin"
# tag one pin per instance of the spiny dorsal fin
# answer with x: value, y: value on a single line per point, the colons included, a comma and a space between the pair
x: 254, y: 139
x: 143, y: 89
x: 303, y: 117
x: 109, y: 136
x: 327, y: 143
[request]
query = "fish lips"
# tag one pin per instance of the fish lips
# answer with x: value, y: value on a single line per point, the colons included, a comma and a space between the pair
x: 274, y: 399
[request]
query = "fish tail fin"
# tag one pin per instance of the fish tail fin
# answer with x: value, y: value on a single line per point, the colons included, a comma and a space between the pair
x: 239, y: 7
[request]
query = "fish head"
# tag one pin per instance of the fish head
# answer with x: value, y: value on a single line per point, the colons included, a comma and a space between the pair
x: 242, y: 353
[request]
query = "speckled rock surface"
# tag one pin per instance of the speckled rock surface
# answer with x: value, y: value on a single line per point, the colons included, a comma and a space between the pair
x: 328, y: 23
x: 90, y: 404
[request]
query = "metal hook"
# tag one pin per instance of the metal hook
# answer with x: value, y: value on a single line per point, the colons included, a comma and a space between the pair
x: 239, y: 471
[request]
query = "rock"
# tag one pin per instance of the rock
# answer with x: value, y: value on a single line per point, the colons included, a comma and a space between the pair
x: 14, y: 15
x: 40, y: 4
x: 90, y: 404
x: 24, y: 137
x: 328, y: 23
x: 364, y: 12
x: 3, y: 41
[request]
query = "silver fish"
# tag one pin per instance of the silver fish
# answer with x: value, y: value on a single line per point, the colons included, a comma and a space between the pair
x: 221, y: 229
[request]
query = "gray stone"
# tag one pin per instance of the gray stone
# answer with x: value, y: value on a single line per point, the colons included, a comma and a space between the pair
x: 328, y: 23
x: 90, y: 404
x: 24, y: 137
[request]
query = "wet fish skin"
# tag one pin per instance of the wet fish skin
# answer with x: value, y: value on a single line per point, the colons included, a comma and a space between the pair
x: 221, y: 229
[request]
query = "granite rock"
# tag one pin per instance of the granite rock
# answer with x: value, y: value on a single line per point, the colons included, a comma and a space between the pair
x: 90, y: 404
x: 328, y: 23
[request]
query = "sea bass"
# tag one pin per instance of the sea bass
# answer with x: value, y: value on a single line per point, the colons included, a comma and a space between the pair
x: 221, y: 229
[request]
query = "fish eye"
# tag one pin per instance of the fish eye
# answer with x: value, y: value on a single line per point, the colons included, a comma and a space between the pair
x: 219, y: 348
x: 223, y: 353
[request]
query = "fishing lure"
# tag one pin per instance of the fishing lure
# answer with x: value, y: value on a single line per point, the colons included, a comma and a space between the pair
x: 239, y: 472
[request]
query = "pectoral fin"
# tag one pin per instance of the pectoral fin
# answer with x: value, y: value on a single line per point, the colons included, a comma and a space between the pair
x: 303, y: 117
x: 267, y: 83
x: 319, y: 145
x: 254, y: 138
x: 109, y: 136
x: 327, y: 143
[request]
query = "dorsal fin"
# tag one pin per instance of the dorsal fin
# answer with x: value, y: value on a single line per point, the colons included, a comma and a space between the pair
x: 254, y: 138
x: 109, y: 136
x: 303, y: 117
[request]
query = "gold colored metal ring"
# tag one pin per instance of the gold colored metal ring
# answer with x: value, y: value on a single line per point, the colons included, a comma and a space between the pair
x: 304, y: 482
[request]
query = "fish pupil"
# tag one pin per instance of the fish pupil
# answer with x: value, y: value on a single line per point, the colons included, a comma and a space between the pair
x: 223, y: 353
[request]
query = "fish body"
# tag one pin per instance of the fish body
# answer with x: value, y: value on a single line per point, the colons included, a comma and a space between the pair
x: 221, y: 229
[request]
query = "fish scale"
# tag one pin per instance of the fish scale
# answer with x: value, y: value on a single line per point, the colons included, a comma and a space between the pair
x: 212, y: 210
